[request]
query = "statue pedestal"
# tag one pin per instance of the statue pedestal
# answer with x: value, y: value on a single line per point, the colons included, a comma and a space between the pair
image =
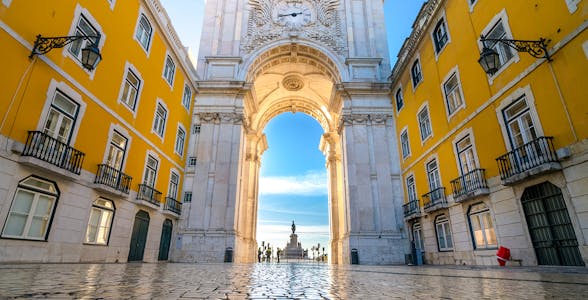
x: 293, y: 248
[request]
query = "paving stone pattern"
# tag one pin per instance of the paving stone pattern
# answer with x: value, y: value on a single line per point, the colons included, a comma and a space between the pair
x: 287, y: 281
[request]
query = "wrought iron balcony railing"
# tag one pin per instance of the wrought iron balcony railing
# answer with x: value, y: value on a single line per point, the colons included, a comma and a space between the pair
x: 172, y: 205
x: 412, y: 209
x: 149, y: 194
x: 434, y: 199
x: 113, y: 178
x: 44, y: 147
x: 472, y: 183
x: 527, y: 157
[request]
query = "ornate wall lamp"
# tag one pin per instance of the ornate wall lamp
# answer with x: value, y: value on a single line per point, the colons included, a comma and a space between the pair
x: 90, y: 54
x: 489, y: 58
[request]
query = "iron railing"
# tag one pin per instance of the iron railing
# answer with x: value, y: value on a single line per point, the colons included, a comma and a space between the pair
x: 172, y: 205
x: 469, y: 182
x: 44, y: 147
x: 113, y: 178
x: 149, y: 194
x: 434, y: 197
x: 528, y: 156
x: 412, y: 208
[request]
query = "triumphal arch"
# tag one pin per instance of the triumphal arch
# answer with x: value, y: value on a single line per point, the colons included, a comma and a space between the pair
x: 260, y: 58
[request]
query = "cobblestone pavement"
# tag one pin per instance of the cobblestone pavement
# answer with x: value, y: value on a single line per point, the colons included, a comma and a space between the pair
x: 287, y: 281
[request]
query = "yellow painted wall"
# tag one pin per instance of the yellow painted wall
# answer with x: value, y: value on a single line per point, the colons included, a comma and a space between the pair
x: 100, y: 91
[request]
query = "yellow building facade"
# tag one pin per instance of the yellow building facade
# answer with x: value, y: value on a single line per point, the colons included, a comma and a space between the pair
x: 499, y: 159
x: 92, y: 161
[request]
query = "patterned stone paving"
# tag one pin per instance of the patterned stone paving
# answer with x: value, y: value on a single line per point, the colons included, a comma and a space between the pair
x: 287, y: 281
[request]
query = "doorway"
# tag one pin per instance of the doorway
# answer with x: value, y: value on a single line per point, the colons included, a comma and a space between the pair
x: 139, y: 236
x: 166, y: 233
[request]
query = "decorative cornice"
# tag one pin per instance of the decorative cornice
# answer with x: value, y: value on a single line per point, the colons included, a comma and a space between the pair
x: 366, y: 119
x: 220, y: 118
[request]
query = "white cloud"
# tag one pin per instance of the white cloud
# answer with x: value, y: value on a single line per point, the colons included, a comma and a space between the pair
x: 311, y: 184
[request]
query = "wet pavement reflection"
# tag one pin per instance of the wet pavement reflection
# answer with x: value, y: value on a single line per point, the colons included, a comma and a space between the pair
x: 287, y: 281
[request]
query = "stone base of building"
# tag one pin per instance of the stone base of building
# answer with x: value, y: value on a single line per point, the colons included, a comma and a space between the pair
x: 375, y: 249
x: 204, y: 246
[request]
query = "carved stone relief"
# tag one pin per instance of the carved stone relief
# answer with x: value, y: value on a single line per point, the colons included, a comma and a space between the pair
x: 216, y: 118
x: 271, y: 20
x: 356, y: 119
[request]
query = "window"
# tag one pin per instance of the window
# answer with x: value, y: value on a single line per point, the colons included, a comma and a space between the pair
x: 32, y: 209
x: 61, y: 118
x: 411, y: 188
x: 444, y: 239
x: 440, y: 36
x: 399, y: 100
x: 505, y: 53
x: 453, y: 96
x: 169, y: 70
x: 196, y: 129
x: 144, y: 32
x: 405, y: 143
x: 424, y: 123
x: 100, y: 222
x: 188, y: 197
x: 482, y: 227
x: 180, y: 139
x: 150, y: 171
x: 415, y: 71
x: 159, y: 122
x: 130, y: 90
x: 417, y: 236
x: 192, y: 161
x: 519, y: 123
x: 116, y: 151
x: 433, y: 175
x: 187, y: 99
x: 466, y: 155
x: 83, y: 28
x: 174, y: 181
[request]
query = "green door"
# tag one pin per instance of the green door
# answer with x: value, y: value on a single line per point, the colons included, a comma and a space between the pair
x: 139, y: 236
x: 550, y: 226
x: 166, y: 233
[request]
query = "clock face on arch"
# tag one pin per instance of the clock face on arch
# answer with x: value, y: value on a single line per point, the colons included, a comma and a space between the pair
x: 293, y: 15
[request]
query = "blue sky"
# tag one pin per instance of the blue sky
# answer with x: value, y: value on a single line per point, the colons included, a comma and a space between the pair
x: 293, y: 181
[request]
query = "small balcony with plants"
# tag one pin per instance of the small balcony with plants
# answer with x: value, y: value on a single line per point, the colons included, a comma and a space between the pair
x: 434, y: 200
x: 149, y: 196
x: 172, y: 207
x: 533, y: 158
x: 412, y: 210
x: 42, y: 150
x: 470, y: 185
x: 111, y: 180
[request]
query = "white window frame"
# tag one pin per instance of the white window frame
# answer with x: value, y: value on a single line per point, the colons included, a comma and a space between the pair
x: 187, y: 197
x: 441, y: 18
x: 424, y: 106
x: 445, y: 223
x: 144, y: 177
x: 500, y: 17
x: 80, y: 12
x: 72, y: 94
x: 472, y: 4
x: 186, y: 103
x: 508, y: 100
x: 404, y: 132
x: 438, y: 183
x: 131, y: 68
x: 572, y: 5
x: 418, y: 62
x: 158, y: 103
x: 409, y: 191
x: 192, y: 161
x: 453, y: 72
x: 468, y: 132
x: 6, y: 2
x: 183, y: 142
x: 417, y: 236
x: 479, y: 215
x: 399, y: 91
x: 101, y: 226
x: 146, y: 48
x: 36, y: 191
x: 170, y: 81
x: 171, y: 193
x: 123, y: 132
x: 112, y: 3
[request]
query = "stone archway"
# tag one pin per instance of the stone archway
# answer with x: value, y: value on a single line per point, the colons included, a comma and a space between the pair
x: 331, y: 71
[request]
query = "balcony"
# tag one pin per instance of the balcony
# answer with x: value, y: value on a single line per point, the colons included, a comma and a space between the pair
x: 412, y: 210
x: 533, y: 158
x: 470, y: 185
x: 112, y: 180
x: 434, y: 200
x: 172, y: 206
x: 41, y: 146
x: 149, y: 196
